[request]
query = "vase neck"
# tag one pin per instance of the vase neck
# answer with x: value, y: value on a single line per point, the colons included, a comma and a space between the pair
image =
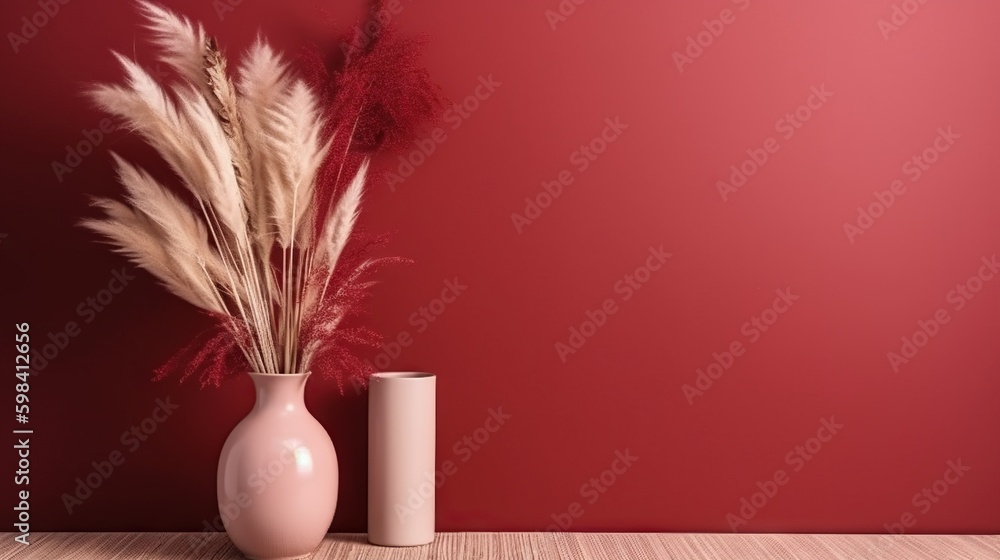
x: 284, y: 392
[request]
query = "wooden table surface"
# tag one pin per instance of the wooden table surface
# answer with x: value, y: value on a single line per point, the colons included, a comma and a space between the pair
x: 535, y: 546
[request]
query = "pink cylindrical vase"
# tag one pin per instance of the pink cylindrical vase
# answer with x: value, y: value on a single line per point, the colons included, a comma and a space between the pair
x: 278, y: 474
x: 401, y: 486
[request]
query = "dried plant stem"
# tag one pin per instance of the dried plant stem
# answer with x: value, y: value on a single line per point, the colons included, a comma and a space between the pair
x: 257, y: 359
x: 258, y: 317
x: 302, y: 275
x: 258, y: 300
x: 336, y: 181
x: 232, y: 322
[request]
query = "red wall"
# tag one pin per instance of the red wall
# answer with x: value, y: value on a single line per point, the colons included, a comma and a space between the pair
x: 819, y: 357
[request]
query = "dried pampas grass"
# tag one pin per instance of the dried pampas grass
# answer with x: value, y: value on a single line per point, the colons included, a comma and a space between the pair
x: 248, y: 241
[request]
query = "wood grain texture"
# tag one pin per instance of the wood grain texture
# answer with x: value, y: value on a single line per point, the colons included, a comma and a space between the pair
x: 526, y: 546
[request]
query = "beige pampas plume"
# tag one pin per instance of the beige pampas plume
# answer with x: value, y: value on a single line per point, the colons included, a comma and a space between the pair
x: 137, y: 238
x: 211, y: 160
x: 149, y: 110
x: 262, y: 81
x: 339, y: 227
x: 291, y: 131
x: 334, y: 236
x: 184, y: 234
x: 181, y: 42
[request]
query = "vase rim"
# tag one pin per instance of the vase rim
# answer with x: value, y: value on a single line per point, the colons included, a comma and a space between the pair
x: 401, y: 375
x: 262, y: 374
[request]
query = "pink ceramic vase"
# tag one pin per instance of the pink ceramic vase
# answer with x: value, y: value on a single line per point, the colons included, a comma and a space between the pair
x: 278, y: 474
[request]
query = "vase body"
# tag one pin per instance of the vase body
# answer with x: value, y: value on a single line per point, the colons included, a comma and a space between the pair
x: 278, y: 474
x: 401, y: 466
